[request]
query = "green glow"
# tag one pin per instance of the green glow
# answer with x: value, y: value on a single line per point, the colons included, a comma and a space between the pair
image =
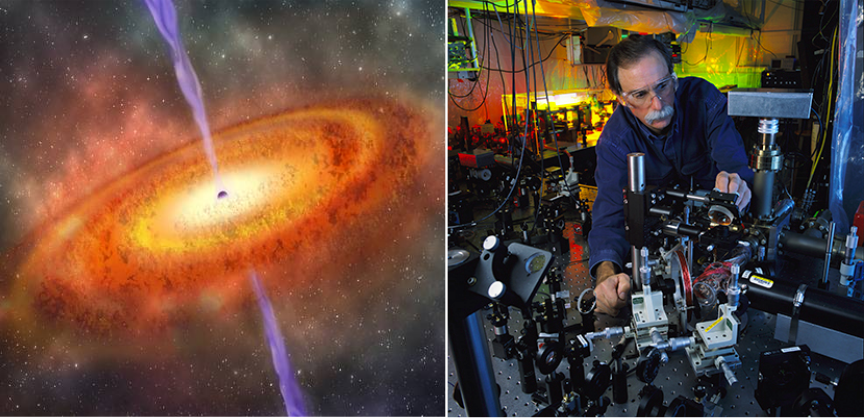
x: 743, y: 77
x: 723, y: 60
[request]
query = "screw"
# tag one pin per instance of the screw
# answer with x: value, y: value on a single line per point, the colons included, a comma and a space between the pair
x: 471, y: 281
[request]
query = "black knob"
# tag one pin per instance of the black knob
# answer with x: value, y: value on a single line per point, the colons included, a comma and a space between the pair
x: 699, y: 392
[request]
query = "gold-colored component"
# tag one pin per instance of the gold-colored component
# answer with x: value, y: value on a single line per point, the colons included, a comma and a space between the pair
x: 720, y: 215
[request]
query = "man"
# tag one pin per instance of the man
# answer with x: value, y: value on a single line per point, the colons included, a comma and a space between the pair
x: 683, y: 128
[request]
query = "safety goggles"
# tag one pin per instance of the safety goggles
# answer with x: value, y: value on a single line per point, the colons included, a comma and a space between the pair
x: 661, y: 88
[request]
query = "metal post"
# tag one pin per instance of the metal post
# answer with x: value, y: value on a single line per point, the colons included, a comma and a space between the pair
x: 636, y: 183
x: 470, y: 350
x: 829, y: 247
x: 636, y: 172
x: 766, y: 161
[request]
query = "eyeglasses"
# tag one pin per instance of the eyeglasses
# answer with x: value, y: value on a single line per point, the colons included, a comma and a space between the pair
x: 661, y: 89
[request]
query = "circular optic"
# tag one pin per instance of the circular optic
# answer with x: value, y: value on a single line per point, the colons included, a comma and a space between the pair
x: 491, y: 243
x: 535, y: 263
x: 496, y: 290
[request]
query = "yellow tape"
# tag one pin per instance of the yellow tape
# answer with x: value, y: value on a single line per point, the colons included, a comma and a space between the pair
x: 708, y: 329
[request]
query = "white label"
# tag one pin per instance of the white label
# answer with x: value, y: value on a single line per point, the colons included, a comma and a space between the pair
x: 746, y: 274
x: 792, y: 349
x: 762, y: 282
x: 563, y: 294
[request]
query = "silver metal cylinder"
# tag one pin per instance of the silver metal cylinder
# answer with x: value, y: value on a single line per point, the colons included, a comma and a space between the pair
x: 851, y: 245
x: 607, y: 333
x: 676, y: 344
x: 644, y: 270
x: 656, y: 336
x: 783, y: 207
x: 636, y: 183
x: 768, y: 127
x: 727, y: 372
x: 690, y: 255
x: 733, y: 292
x: 636, y: 172
x: 637, y: 264
x: 829, y: 247
x: 766, y: 160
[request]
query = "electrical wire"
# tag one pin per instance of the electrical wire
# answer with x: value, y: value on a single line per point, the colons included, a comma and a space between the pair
x: 476, y: 82
x: 708, y: 42
x: 503, y: 84
x: 759, y: 41
x: 536, y: 112
x: 546, y: 89
x: 534, y: 63
x: 831, y: 95
x: 821, y: 127
x: 790, y: 7
x: 524, y: 140
x: 501, y: 23
x: 822, y: 27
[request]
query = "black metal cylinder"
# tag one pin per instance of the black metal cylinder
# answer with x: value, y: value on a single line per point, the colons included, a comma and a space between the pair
x: 527, y: 374
x: 763, y: 191
x: 555, y: 388
x: 804, y: 244
x: 689, y: 231
x: 660, y: 211
x: 619, y: 384
x: 577, y: 372
x: 819, y: 307
x: 470, y: 350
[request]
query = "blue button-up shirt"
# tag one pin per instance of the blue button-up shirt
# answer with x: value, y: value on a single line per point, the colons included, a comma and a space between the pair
x: 702, y: 142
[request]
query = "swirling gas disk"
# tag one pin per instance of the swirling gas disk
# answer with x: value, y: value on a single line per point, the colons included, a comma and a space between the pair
x: 140, y: 254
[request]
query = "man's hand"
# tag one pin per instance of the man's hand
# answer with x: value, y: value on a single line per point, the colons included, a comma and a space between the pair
x: 732, y: 183
x: 612, y: 289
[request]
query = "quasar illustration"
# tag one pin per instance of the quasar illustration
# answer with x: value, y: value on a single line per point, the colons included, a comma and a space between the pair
x: 286, y: 263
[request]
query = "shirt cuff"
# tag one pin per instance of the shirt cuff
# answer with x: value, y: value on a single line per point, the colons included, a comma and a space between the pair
x: 602, y: 256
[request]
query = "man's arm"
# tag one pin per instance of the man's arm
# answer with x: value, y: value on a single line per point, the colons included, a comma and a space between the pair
x: 606, y: 269
x: 606, y: 240
x: 727, y: 149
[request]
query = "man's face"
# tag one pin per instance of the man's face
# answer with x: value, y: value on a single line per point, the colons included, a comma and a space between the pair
x: 639, y: 80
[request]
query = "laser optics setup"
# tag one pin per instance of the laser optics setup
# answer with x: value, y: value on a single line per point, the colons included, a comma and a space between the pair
x: 701, y: 274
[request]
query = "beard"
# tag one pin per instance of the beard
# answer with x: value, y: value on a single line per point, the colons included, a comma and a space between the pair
x: 655, y: 116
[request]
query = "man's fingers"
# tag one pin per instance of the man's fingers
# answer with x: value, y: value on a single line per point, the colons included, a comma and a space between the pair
x: 623, y: 289
x: 612, y: 294
x: 744, y: 199
x: 722, y: 182
x: 734, y: 183
x: 728, y: 182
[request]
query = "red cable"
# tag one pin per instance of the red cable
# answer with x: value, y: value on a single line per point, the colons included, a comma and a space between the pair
x: 685, y: 275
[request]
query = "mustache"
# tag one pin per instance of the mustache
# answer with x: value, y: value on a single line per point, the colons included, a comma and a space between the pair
x: 664, y: 113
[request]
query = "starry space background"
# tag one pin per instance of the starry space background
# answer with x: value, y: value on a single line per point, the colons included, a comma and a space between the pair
x: 87, y: 93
